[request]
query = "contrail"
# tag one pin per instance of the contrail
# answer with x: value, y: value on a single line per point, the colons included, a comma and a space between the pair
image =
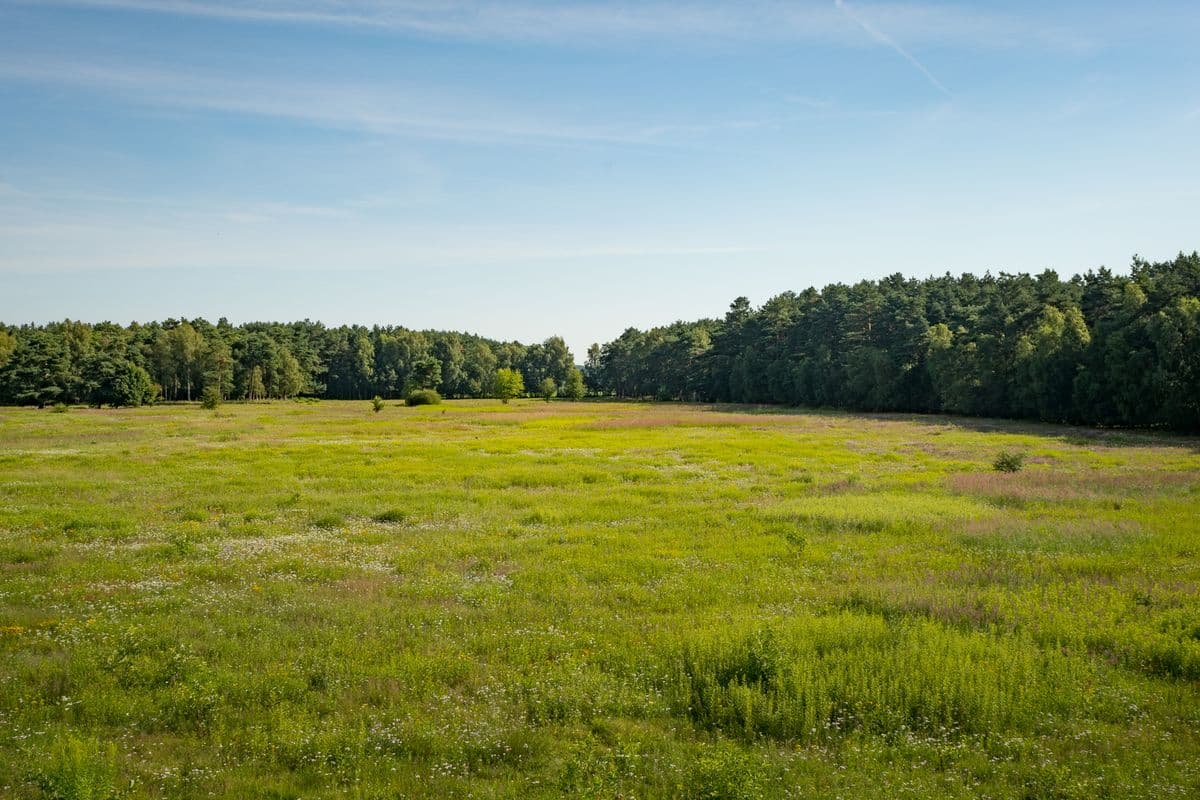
x: 883, y: 38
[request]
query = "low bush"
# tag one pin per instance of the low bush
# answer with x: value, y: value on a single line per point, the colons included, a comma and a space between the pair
x: 1009, y: 461
x: 377, y: 403
x: 423, y: 397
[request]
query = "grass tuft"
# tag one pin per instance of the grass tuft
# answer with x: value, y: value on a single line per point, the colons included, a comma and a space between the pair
x: 393, y: 516
x: 328, y: 520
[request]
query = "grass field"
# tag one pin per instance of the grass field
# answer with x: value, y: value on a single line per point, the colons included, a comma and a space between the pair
x: 310, y: 600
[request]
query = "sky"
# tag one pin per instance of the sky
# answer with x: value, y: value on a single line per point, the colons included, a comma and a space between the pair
x: 526, y: 169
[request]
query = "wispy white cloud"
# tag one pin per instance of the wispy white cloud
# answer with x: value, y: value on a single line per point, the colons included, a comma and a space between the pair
x: 406, y: 110
x: 279, y: 12
x: 48, y: 230
x: 588, y: 23
x: 881, y: 37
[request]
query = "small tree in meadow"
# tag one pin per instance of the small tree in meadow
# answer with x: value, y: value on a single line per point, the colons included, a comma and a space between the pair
x: 547, y: 389
x: 377, y: 403
x: 573, y: 388
x: 508, y: 384
x: 211, y: 397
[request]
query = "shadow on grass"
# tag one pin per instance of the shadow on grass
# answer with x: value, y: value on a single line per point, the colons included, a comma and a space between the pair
x: 1078, y: 435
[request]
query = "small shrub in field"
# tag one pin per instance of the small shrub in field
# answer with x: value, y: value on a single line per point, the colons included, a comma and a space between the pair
x: 423, y: 397
x: 1009, y: 461
x: 329, y: 520
x: 211, y: 397
x: 59, y: 408
x: 377, y: 403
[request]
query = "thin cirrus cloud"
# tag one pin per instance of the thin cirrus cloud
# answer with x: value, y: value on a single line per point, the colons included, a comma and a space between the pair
x: 591, y: 23
x: 415, y: 111
x: 47, y: 232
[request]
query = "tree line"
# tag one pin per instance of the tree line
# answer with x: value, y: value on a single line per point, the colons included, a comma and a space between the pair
x: 110, y: 364
x: 1097, y: 349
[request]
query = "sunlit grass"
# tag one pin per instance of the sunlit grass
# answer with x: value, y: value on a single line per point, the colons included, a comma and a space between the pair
x: 592, y: 599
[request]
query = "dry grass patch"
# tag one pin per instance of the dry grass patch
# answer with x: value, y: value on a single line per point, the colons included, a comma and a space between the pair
x: 1049, y: 486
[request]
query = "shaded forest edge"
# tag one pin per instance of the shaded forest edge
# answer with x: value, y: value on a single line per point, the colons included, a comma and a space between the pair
x: 1097, y: 349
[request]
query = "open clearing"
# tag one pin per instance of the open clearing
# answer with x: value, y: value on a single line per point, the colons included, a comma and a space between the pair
x: 592, y: 599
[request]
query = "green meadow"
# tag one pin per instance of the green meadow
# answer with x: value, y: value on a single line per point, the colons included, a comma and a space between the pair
x: 608, y: 600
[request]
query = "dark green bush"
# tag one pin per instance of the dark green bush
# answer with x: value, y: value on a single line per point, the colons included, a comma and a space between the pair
x: 423, y: 397
x: 1009, y: 461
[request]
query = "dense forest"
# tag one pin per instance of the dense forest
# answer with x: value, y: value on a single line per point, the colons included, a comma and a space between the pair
x: 107, y: 364
x: 1100, y: 348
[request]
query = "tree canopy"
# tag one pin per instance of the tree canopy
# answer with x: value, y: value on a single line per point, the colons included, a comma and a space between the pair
x: 108, y: 364
x: 1099, y: 348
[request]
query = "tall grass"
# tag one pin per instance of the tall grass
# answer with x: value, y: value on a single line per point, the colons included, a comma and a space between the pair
x: 311, y: 600
x: 822, y: 677
x: 79, y: 769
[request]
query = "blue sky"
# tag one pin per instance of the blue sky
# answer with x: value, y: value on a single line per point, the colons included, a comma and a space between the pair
x: 528, y: 168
